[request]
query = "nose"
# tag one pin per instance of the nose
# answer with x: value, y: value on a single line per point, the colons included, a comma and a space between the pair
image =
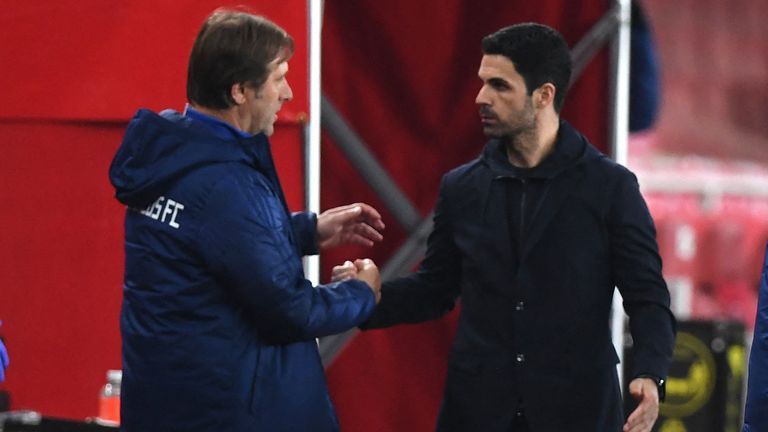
x: 287, y: 93
x: 482, y: 97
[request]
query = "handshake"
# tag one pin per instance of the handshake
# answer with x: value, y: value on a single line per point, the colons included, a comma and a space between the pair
x: 362, y: 269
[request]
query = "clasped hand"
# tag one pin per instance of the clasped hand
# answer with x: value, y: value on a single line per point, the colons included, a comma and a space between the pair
x: 358, y: 224
x: 362, y: 269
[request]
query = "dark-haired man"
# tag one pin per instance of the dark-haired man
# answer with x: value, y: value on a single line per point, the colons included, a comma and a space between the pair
x: 218, y: 322
x: 533, y: 236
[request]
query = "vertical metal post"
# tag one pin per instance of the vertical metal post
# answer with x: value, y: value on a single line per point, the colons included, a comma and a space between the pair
x: 619, y: 137
x: 620, y: 56
x: 312, y: 132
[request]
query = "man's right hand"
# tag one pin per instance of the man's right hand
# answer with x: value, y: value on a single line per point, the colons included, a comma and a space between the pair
x: 369, y: 273
x: 362, y: 269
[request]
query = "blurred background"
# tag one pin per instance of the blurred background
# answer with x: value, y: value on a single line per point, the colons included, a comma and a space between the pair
x: 402, y: 76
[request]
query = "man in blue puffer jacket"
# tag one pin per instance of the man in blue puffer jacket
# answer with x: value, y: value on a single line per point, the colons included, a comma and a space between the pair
x: 218, y: 322
x: 3, y: 360
x: 756, y: 412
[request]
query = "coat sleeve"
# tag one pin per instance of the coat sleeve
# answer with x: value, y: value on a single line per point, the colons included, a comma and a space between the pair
x: 431, y: 292
x: 636, y: 269
x: 244, y: 240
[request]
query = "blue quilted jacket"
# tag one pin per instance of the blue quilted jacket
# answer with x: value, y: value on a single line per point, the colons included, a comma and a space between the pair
x: 756, y: 411
x: 218, y: 322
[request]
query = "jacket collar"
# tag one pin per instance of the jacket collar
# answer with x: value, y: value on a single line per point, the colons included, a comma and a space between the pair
x: 158, y: 148
x: 570, y: 149
x: 220, y: 128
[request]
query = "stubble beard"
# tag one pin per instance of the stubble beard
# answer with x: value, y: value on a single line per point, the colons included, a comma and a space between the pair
x: 515, y: 133
x: 519, y: 131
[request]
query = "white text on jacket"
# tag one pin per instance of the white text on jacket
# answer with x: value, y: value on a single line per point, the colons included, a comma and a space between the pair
x: 162, y: 208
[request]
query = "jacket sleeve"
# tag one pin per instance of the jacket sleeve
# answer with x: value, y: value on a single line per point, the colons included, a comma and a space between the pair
x: 305, y: 232
x: 431, y: 292
x: 637, y: 273
x: 244, y: 240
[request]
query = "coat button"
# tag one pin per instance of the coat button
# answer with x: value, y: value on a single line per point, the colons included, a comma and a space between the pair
x: 520, y: 306
x: 520, y: 358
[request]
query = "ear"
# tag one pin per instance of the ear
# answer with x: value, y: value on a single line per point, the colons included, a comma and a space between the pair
x: 545, y: 95
x: 238, y: 93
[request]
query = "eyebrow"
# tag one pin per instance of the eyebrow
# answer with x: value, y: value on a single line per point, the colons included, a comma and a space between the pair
x: 497, y: 81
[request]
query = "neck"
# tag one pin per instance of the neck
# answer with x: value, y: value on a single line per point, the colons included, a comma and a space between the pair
x: 228, y: 115
x: 529, y: 148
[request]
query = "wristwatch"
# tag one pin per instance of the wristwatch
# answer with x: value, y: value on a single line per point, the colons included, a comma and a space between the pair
x: 661, y: 385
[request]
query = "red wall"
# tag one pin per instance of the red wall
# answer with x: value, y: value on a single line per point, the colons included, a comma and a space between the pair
x: 96, y: 60
x: 73, y: 72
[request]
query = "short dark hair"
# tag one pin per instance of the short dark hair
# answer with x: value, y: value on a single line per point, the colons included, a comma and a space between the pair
x: 539, y: 53
x: 233, y: 47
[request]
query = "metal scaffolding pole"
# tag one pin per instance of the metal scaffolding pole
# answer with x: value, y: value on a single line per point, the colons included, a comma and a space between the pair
x: 600, y: 34
x: 619, y: 139
x: 356, y: 151
x: 312, y: 130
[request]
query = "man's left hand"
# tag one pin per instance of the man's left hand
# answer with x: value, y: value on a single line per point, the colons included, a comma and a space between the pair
x: 351, y: 224
x: 644, y: 416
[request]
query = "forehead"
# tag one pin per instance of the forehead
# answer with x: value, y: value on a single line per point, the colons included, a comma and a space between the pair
x: 278, y: 66
x: 498, y: 66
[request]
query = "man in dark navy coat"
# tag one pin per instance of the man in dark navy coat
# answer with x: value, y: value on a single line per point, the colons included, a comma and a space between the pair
x: 533, y: 236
